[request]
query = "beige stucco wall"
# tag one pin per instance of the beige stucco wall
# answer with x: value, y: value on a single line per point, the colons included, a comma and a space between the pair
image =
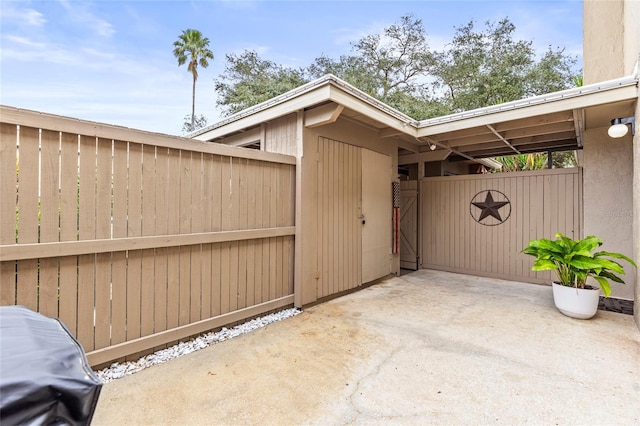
x: 631, y: 35
x: 603, y: 40
x: 611, y: 38
x: 608, y: 197
x: 611, y: 49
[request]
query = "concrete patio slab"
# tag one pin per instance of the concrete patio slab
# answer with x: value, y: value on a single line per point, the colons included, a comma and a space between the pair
x: 425, y: 348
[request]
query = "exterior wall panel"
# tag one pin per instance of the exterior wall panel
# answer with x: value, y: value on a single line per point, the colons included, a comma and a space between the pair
x: 280, y: 135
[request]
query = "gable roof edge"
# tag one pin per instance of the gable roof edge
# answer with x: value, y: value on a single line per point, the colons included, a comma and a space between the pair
x: 327, y: 80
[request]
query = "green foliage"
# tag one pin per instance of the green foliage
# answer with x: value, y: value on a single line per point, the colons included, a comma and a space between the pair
x: 564, y: 159
x: 536, y: 161
x: 485, y: 67
x: 578, y: 80
x: 193, y: 48
x: 575, y: 261
x: 520, y: 162
x: 395, y: 60
x: 249, y: 80
x: 196, y: 123
x: 480, y: 67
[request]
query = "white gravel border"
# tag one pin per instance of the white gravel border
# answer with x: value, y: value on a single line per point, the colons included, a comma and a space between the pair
x: 118, y: 370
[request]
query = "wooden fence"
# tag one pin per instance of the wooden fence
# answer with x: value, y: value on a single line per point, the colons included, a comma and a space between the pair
x: 533, y: 205
x: 134, y: 239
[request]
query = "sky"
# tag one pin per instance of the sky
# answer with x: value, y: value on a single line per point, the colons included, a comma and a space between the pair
x: 112, y: 61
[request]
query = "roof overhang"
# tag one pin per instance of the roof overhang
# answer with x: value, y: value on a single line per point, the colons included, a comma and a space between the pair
x: 550, y: 122
x: 318, y: 92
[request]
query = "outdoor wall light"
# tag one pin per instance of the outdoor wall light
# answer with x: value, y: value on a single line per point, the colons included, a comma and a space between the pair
x: 619, y: 127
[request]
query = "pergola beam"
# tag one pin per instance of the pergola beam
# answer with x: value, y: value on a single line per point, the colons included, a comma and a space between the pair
x: 502, y: 139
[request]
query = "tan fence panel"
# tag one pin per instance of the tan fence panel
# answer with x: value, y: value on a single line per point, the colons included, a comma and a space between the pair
x: 136, y: 244
x: 541, y: 203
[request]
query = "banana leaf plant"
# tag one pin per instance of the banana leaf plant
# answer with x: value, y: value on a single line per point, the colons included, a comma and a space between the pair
x: 575, y: 261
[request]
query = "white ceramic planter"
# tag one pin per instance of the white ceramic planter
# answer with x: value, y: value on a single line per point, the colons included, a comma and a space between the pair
x: 581, y: 303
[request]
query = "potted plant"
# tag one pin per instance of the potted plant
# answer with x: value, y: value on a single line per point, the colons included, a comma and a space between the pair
x: 573, y: 262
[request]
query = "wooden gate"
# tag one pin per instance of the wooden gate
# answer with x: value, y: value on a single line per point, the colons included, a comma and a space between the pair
x: 479, y: 224
x: 409, y: 224
x: 339, y: 258
x: 353, y: 186
x: 376, y: 215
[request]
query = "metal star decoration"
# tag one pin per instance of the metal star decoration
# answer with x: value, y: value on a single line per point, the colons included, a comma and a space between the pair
x: 490, y: 207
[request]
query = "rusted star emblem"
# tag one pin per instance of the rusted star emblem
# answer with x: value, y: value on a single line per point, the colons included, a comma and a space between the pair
x: 490, y: 207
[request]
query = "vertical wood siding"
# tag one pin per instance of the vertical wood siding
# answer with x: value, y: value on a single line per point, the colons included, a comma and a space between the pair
x: 125, y: 241
x: 542, y: 203
x: 280, y: 135
x: 338, y: 228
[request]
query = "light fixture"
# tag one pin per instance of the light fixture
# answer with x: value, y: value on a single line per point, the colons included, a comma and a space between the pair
x: 619, y: 127
x: 432, y: 146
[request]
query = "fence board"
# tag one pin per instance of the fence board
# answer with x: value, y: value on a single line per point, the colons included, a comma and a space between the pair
x: 259, y: 219
x: 86, y: 231
x: 243, y: 220
x: 251, y: 224
x: 28, y: 210
x: 8, y: 208
x: 266, y: 196
x: 103, y: 230
x: 161, y: 253
x: 195, y: 288
x: 134, y: 229
x: 68, y: 229
x: 207, y: 211
x: 234, y: 223
x: 49, y: 221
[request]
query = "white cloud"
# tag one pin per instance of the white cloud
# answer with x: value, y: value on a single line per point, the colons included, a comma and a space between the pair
x: 22, y: 16
x: 26, y: 50
x: 260, y: 49
x: 348, y: 35
x: 80, y: 13
x: 34, y: 18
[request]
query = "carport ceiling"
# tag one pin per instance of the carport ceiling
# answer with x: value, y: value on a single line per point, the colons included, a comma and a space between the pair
x: 554, y: 131
x: 559, y: 131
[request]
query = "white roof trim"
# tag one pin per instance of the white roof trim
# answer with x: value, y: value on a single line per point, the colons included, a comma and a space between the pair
x: 536, y: 100
x: 322, y: 81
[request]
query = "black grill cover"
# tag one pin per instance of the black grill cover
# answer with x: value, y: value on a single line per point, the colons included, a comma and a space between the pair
x: 45, y: 378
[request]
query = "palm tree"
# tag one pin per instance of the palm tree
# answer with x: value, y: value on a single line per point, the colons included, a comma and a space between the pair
x: 194, y: 48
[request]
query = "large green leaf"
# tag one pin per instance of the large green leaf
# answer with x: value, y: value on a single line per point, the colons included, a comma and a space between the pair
x: 604, y: 284
x: 565, y: 242
x: 543, y: 265
x: 611, y: 276
x: 616, y: 255
x: 585, y: 253
x: 589, y: 244
x: 610, y: 264
x: 544, y: 244
x: 585, y: 263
